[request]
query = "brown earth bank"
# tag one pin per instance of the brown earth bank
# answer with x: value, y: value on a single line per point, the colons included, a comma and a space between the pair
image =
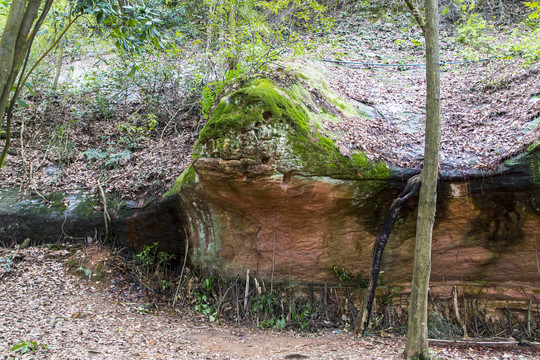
x: 71, y: 317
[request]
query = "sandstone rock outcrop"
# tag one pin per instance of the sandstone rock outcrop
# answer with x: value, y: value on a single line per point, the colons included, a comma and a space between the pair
x: 270, y: 191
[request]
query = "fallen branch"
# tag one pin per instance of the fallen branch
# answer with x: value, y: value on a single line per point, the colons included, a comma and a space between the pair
x: 417, y: 15
x: 483, y: 342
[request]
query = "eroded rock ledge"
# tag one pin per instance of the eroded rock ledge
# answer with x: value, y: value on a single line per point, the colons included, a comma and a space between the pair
x: 268, y: 190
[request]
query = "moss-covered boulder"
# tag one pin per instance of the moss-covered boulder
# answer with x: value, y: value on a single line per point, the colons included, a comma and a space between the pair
x: 264, y: 168
x: 266, y: 129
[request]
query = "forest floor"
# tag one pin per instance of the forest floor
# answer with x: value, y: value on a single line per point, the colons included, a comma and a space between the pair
x: 61, y: 314
x: 490, y: 112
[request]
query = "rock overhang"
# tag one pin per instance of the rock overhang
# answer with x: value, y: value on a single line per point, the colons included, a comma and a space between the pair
x: 276, y: 192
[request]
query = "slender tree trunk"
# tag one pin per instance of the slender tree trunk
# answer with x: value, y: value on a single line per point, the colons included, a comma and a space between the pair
x: 59, y: 55
x: 15, y: 46
x: 211, y: 25
x: 417, y: 334
x: 417, y: 15
x: 232, y: 34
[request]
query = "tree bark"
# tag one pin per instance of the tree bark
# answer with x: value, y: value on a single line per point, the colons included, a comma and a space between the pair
x: 9, y: 39
x: 417, y: 15
x: 417, y: 334
x: 12, y: 54
x: 12, y: 45
x: 232, y: 61
x: 59, y: 55
x: 362, y: 321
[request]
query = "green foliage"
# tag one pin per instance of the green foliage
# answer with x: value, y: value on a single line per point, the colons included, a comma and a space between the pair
x: 535, y: 15
x: 204, y: 305
x: 4, y: 8
x: 416, y: 42
x: 152, y: 264
x: 266, y: 306
x: 213, y: 91
x: 102, y: 107
x: 243, y: 37
x: 523, y: 44
x: 309, y: 15
x: 86, y: 271
x: 7, y: 263
x: 522, y: 41
x: 61, y: 141
x: 24, y: 346
x: 109, y: 160
x: 472, y: 31
x: 132, y: 27
x: 204, y: 302
x: 133, y: 133
x: 400, y: 44
x: 302, y: 315
x: 342, y: 274
x: 345, y: 278
x: 150, y: 259
x: 279, y: 323
x: 266, y: 303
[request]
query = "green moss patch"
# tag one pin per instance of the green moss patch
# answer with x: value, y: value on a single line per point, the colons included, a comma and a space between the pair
x: 260, y: 101
x: 307, y: 148
x: 187, y: 177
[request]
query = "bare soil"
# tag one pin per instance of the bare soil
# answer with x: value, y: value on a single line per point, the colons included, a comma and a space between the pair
x: 72, y: 317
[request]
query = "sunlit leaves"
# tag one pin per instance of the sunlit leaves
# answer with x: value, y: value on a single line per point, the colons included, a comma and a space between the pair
x: 133, y: 27
x: 298, y: 13
x: 534, y: 5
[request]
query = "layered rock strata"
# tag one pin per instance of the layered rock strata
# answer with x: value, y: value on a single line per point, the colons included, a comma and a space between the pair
x: 270, y: 191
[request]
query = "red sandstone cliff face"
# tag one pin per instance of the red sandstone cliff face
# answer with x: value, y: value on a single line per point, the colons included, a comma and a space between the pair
x: 300, y: 230
x: 262, y: 206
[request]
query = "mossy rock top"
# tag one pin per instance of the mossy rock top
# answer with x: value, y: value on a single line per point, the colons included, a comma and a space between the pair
x: 264, y: 123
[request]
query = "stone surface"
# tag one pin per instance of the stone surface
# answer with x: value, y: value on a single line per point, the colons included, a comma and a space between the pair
x: 76, y: 216
x: 269, y: 191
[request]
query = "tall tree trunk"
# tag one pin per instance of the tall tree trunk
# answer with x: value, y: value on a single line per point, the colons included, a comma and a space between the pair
x: 12, y: 45
x: 417, y: 334
x: 211, y: 25
x: 233, y: 60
